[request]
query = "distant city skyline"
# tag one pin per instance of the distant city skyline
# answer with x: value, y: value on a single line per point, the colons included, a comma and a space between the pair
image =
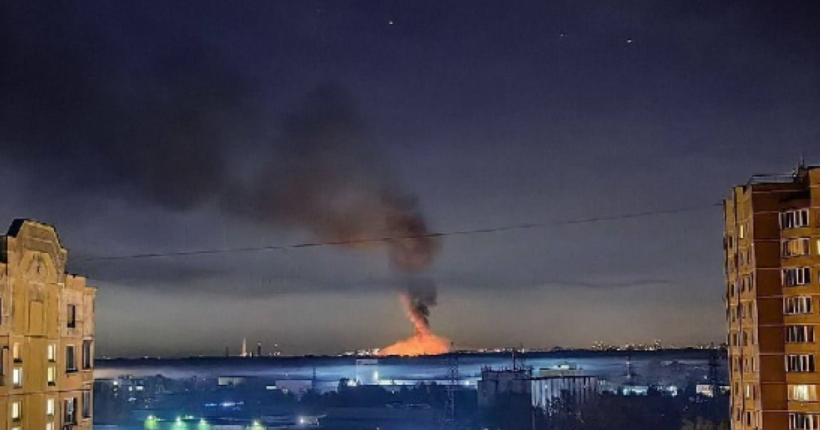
x: 155, y: 127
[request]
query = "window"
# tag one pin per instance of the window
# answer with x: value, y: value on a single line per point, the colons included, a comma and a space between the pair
x: 17, y: 352
x: 51, y: 353
x: 803, y: 393
x: 797, y: 305
x: 750, y: 419
x: 799, y: 334
x: 800, y: 421
x: 796, y: 276
x: 70, y: 414
x: 51, y: 375
x: 17, y: 377
x: 70, y: 359
x: 744, y: 284
x: 750, y: 391
x: 800, y: 363
x: 49, y: 426
x: 50, y: 407
x: 16, y: 410
x: 794, y: 219
x: 86, y: 404
x: 88, y: 354
x: 72, y: 316
x: 795, y: 247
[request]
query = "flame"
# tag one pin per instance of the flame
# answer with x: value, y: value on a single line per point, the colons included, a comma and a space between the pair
x: 422, y: 342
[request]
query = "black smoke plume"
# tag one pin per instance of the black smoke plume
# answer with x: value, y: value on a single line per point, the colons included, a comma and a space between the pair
x: 167, y: 124
x: 422, y: 295
x: 324, y: 175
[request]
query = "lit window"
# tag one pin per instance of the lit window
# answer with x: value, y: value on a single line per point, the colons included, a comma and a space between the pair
x: 50, y: 407
x: 803, y: 393
x: 750, y: 391
x: 16, y: 352
x: 51, y: 375
x: 17, y: 377
x: 16, y: 410
x: 51, y: 352
x: 49, y: 426
x: 795, y: 247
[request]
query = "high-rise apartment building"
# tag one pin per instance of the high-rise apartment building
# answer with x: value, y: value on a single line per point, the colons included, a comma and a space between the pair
x: 46, y: 334
x: 772, y: 262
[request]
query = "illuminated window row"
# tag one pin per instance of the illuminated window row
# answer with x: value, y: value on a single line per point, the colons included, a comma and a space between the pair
x: 69, y: 410
x: 796, y: 247
x: 51, y: 359
x: 803, y: 393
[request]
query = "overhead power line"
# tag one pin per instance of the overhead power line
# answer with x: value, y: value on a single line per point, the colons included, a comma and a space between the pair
x: 468, y: 232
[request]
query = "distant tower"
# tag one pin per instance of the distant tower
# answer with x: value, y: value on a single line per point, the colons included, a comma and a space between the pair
x: 518, y: 362
x: 258, y: 349
x: 244, y: 348
x: 630, y: 374
x: 313, y: 380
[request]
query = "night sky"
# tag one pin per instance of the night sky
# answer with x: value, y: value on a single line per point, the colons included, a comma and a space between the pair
x: 158, y: 126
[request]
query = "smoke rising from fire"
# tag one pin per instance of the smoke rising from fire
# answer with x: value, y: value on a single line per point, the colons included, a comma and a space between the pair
x: 421, y: 296
x: 423, y: 341
x: 323, y: 174
x: 172, y: 126
x: 169, y: 126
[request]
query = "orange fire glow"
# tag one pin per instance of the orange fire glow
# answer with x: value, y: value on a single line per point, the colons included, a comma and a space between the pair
x: 422, y: 342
